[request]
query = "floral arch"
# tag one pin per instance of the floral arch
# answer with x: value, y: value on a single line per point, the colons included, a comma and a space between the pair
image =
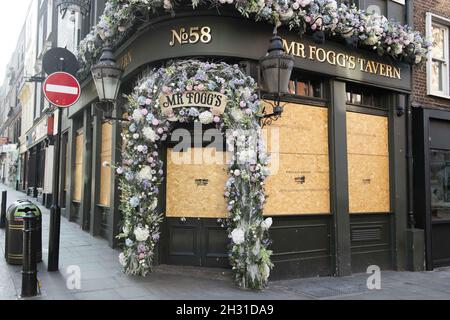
x: 141, y: 173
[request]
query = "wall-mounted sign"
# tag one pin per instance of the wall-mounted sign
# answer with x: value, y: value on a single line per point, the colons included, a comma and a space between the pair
x: 342, y: 60
x: 244, y: 39
x: 203, y: 99
x: 192, y: 35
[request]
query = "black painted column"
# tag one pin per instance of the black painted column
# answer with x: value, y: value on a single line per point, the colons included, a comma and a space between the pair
x: 96, y: 169
x: 116, y: 157
x: 87, y: 171
x: 399, y: 185
x: 339, y: 177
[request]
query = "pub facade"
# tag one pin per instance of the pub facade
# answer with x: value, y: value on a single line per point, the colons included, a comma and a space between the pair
x: 338, y: 194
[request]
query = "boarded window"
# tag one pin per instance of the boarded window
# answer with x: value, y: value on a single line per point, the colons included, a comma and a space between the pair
x: 196, y: 190
x: 368, y: 163
x: 78, y: 174
x: 298, y: 146
x: 105, y: 171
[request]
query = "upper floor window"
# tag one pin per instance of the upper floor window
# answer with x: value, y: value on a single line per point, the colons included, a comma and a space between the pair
x: 438, y: 59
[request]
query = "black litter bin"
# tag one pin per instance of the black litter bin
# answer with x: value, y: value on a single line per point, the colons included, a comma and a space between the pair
x: 14, y: 231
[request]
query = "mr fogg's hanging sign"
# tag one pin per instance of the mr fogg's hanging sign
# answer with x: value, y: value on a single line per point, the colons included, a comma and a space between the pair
x: 202, y: 99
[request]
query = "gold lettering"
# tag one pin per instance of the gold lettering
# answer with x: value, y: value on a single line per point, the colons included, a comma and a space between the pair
x: 312, y: 52
x: 323, y: 54
x: 300, y: 52
x: 331, y: 57
x: 383, y: 69
x: 340, y: 58
x: 397, y: 73
x: 376, y: 66
x: 351, y: 62
x: 361, y: 63
x: 389, y: 71
x: 289, y: 48
x: 368, y: 67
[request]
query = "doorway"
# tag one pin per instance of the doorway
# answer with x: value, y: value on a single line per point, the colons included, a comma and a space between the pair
x: 195, y: 206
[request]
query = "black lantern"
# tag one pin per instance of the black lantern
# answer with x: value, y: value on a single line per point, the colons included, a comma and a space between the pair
x: 276, y: 69
x: 82, y: 6
x: 107, y: 79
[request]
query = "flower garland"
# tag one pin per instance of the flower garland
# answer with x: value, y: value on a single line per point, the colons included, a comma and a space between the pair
x: 375, y: 31
x: 142, y: 172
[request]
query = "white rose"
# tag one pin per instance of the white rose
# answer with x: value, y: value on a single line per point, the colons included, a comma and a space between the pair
x: 266, y: 224
x: 206, y: 117
x: 238, y: 236
x: 122, y: 260
x: 145, y: 173
x: 371, y: 40
x: 137, y: 115
x: 141, y: 234
x: 149, y: 134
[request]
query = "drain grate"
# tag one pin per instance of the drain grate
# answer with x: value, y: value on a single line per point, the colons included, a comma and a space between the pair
x: 327, y: 289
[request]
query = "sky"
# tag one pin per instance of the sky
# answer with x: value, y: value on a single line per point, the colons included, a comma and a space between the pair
x: 12, y: 19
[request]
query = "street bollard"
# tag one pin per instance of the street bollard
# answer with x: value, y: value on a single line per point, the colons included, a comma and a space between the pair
x: 3, y: 210
x: 29, y: 270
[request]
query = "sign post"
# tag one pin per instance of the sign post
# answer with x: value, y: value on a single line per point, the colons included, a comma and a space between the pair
x: 62, y: 90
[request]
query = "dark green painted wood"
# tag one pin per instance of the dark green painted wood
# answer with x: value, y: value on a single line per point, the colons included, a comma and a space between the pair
x: 71, y: 158
x: 96, y: 167
x: 339, y: 177
x: 85, y: 205
x: 114, y: 214
x: 399, y: 180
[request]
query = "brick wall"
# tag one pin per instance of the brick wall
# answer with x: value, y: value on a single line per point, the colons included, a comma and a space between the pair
x: 421, y: 7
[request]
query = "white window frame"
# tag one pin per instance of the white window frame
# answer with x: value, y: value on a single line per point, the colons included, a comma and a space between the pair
x: 432, y: 19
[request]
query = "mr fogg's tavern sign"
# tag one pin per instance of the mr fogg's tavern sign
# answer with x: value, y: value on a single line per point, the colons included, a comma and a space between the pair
x: 203, y: 99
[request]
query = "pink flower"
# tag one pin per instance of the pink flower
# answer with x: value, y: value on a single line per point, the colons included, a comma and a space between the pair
x: 216, y: 119
x: 142, y: 256
x: 155, y: 122
x: 201, y: 87
x: 243, y: 104
x: 144, y: 112
x: 237, y: 172
x: 189, y: 87
x: 148, y: 101
x: 160, y: 130
x: 248, y: 111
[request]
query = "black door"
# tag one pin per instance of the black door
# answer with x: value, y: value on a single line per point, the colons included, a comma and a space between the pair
x: 440, y: 206
x: 195, y: 242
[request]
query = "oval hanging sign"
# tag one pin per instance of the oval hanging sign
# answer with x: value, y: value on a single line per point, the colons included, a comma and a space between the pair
x: 202, y: 99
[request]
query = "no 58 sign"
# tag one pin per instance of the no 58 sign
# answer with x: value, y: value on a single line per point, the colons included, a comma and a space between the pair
x: 192, y: 35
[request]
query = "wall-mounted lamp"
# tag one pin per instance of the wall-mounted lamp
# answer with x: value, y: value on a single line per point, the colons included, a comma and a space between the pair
x: 107, y: 76
x: 276, y: 69
x: 82, y: 6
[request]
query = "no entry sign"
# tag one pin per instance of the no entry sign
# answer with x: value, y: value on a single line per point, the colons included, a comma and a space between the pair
x: 62, y: 89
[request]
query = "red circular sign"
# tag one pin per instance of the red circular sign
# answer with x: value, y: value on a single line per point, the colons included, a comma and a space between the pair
x: 62, y: 89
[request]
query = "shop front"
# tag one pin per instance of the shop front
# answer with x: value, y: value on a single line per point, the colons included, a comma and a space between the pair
x: 432, y: 182
x: 337, y: 189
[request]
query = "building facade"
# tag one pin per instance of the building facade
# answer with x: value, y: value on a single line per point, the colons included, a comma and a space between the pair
x: 431, y: 134
x: 332, y: 214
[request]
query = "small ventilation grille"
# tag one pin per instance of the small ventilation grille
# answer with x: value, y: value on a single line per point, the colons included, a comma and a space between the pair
x: 366, y: 234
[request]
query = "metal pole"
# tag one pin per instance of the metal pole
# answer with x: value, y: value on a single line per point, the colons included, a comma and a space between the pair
x: 55, y: 211
x: 3, y: 210
x: 29, y: 268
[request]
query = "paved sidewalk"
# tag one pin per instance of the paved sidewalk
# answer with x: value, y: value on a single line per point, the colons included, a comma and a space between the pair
x: 103, y: 279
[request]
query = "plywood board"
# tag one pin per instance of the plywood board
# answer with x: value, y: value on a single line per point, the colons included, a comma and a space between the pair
x: 78, y: 174
x: 368, y: 163
x: 105, y: 172
x: 195, y: 190
x: 298, y: 146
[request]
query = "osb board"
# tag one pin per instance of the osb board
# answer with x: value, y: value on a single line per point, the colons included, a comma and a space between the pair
x: 368, y: 163
x: 299, y: 183
x: 301, y: 186
x: 187, y: 196
x: 105, y: 172
x: 301, y: 129
x: 78, y: 174
x: 367, y: 134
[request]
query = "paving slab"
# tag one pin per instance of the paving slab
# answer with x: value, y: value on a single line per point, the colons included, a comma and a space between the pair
x: 102, y: 279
